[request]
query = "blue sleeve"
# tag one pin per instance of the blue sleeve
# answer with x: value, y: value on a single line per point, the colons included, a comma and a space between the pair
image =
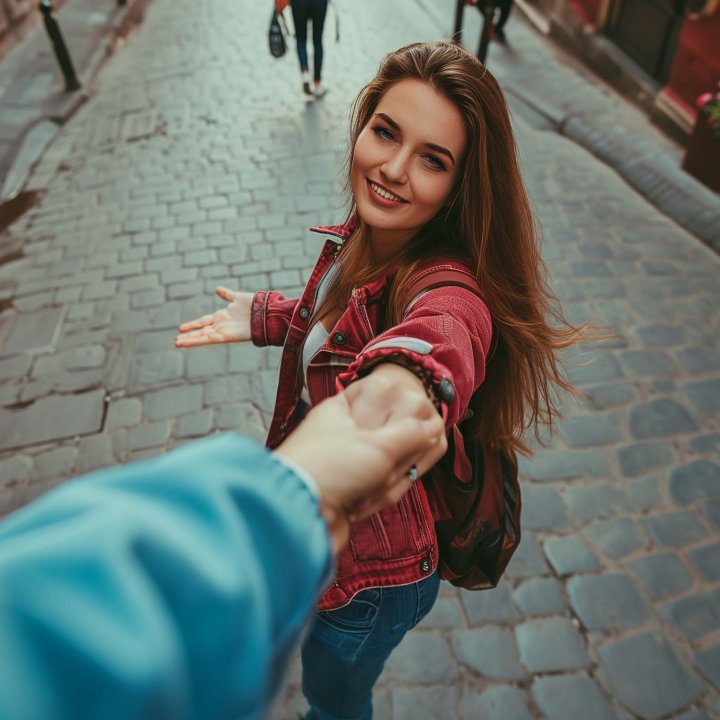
x: 169, y: 588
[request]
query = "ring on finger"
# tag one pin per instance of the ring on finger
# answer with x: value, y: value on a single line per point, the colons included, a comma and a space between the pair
x: 412, y: 473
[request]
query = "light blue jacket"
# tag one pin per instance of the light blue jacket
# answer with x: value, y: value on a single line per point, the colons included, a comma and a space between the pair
x: 169, y: 588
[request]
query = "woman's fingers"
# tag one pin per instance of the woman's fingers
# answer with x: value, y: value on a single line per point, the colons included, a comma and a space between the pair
x: 225, y: 293
x: 197, y: 323
x: 204, y: 336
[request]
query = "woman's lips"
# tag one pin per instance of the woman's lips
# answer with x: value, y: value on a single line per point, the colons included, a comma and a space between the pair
x: 374, y: 190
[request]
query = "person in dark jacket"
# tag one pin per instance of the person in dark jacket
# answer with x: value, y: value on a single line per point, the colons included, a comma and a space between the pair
x: 435, y: 185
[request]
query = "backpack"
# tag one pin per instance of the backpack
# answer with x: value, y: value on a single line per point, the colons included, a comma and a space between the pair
x: 276, y: 38
x: 478, y: 522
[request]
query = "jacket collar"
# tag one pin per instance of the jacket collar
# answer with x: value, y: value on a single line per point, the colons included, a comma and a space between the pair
x: 342, y: 232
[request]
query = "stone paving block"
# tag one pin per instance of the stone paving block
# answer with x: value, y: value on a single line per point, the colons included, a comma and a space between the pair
x: 642, y: 458
x: 152, y: 435
x: 198, y: 424
x: 569, y: 555
x: 643, y: 494
x: 696, y: 615
x: 707, y: 560
x: 543, y: 509
x: 498, y: 702
x: 659, y: 418
x: 95, y: 451
x: 14, y: 367
x: 607, y: 602
x: 221, y: 391
x: 123, y: 413
x: 588, y: 431
x: 54, y: 463
x: 706, y: 443
x: 675, y: 529
x: 207, y: 361
x: 648, y: 677
x: 697, y: 480
x: 423, y: 703
x: 154, y: 340
x: 409, y: 662
x: 663, y: 574
x: 171, y: 402
x: 593, y: 502
x: 617, y: 537
x: 693, y: 715
x: 570, y: 698
x: 601, y: 368
x: 490, y: 651
x: 84, y: 358
x: 705, y: 394
x: 14, y: 470
x: 551, y: 644
x: 52, y: 418
x: 243, y: 418
x: 711, y: 508
x: 548, y: 465
x: 156, y: 368
x: 147, y: 298
x: 708, y: 660
x: 541, y: 596
x: 647, y: 363
x: 243, y: 357
x: 33, y: 332
x: 445, y: 613
x: 528, y: 560
x: 661, y: 335
x: 489, y: 606
x: 699, y: 360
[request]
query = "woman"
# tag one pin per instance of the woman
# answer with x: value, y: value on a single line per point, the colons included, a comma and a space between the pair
x: 302, y: 11
x: 435, y: 183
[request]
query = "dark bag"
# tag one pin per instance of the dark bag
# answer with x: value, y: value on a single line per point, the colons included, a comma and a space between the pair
x: 477, y: 522
x: 276, y: 38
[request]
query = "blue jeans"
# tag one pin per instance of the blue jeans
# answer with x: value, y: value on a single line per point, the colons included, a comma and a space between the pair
x: 346, y: 649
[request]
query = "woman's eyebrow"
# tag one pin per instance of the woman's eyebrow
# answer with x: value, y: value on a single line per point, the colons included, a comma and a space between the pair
x: 437, y: 148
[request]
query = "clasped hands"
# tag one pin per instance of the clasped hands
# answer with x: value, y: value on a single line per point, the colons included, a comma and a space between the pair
x: 359, y: 445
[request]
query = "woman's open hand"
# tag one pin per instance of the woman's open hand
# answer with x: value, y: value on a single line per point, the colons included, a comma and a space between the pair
x: 231, y: 324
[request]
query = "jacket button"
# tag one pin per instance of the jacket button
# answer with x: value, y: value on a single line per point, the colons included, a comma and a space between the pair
x: 425, y: 566
x: 446, y: 390
x: 304, y: 313
x: 339, y: 338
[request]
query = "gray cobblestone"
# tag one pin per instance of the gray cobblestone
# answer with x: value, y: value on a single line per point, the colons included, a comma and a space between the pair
x: 642, y: 458
x: 648, y: 677
x: 699, y: 360
x: 697, y: 480
x: 171, y: 402
x: 570, y: 698
x: 489, y: 606
x: 708, y: 661
x: 551, y: 644
x: 600, y: 369
x: 565, y: 465
x: 196, y: 424
x: 542, y: 596
x: 705, y: 394
x: 647, y: 363
x: 94, y: 452
x: 663, y: 574
x: 408, y: 663
x: 422, y: 703
x: 617, y: 537
x: 675, y: 529
x: 706, y: 444
x: 528, y: 560
x: 592, y: 502
x: 607, y: 602
x: 660, y: 417
x: 445, y: 613
x: 152, y: 435
x: 696, y: 615
x: 14, y: 367
x: 582, y: 431
x: 543, y: 509
x: 490, y: 652
x: 15, y: 469
x: 154, y: 368
x: 54, y: 463
x: 570, y: 555
x: 498, y: 701
x: 206, y: 362
x: 123, y: 413
x: 707, y: 560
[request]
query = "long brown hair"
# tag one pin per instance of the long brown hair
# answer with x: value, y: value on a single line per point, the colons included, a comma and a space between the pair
x: 489, y: 224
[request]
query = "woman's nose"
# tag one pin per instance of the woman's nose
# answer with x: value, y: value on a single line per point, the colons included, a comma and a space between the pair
x: 395, y: 167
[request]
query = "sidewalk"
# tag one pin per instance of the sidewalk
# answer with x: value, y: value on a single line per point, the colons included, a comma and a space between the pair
x: 33, y: 100
x: 197, y: 163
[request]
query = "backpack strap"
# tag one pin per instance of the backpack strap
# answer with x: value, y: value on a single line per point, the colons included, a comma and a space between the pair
x: 440, y: 278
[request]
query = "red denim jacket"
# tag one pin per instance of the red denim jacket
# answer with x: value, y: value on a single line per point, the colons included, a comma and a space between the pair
x: 444, y: 337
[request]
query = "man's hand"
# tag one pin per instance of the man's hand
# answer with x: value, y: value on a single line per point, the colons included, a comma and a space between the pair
x: 231, y: 324
x: 361, y: 470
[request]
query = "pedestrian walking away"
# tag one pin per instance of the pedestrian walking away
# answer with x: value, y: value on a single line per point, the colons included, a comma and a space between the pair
x: 434, y: 185
x: 304, y: 11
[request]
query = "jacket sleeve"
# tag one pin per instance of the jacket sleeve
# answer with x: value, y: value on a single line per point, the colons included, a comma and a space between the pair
x: 444, y: 338
x: 270, y: 318
x: 169, y: 588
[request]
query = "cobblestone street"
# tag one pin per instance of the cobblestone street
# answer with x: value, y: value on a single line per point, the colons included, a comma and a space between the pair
x: 197, y: 163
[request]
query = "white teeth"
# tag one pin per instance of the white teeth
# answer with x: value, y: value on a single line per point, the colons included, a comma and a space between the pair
x: 385, y: 193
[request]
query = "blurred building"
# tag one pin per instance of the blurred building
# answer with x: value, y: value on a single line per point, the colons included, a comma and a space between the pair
x: 663, y: 52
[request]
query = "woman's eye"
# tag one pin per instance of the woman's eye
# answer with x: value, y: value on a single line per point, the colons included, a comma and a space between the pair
x: 435, y: 162
x: 383, y: 133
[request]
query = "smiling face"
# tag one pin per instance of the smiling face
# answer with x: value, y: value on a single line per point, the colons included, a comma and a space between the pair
x: 405, y: 162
